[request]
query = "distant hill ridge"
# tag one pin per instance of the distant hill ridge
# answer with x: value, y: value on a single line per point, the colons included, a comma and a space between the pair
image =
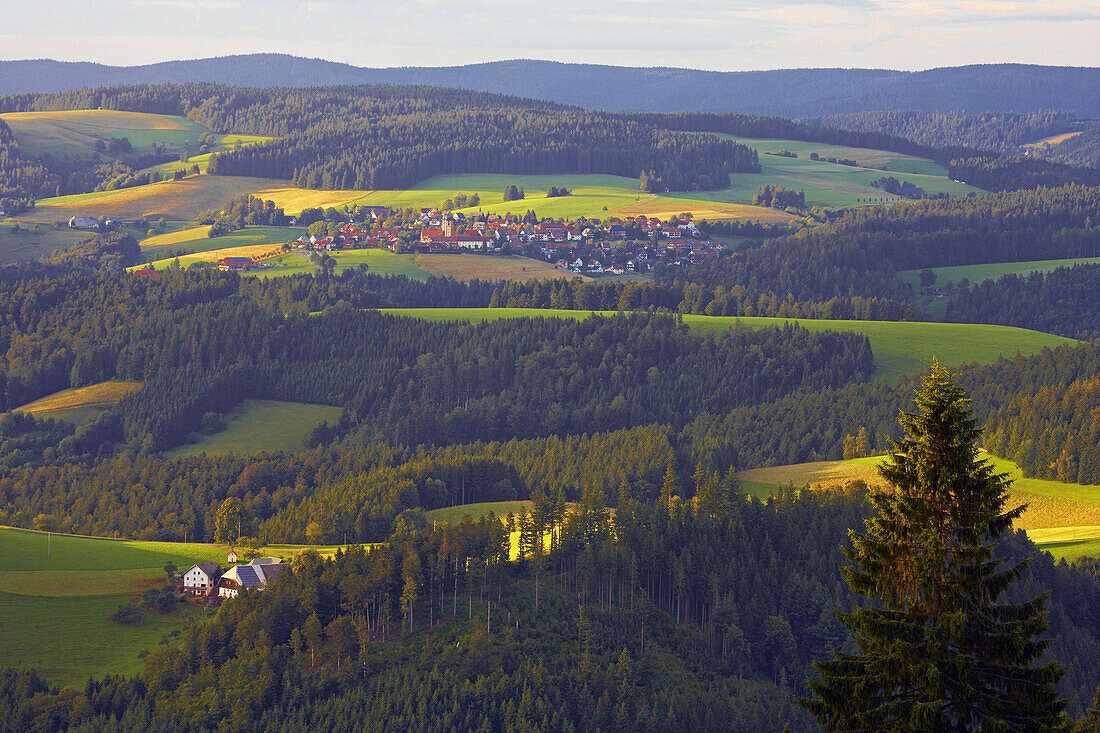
x: 784, y: 92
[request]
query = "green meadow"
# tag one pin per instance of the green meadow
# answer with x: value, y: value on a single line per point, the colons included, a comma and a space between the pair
x: 454, y: 514
x: 594, y: 195
x: 73, y: 134
x: 832, y: 185
x: 261, y: 425
x: 977, y: 273
x: 378, y: 261
x: 196, y: 240
x: 898, y: 347
x: 55, y: 608
x: 1057, y: 513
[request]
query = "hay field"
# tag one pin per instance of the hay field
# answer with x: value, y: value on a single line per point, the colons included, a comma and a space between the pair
x: 196, y: 240
x: 78, y: 405
x: 73, y: 133
x: 491, y: 267
x: 1062, y: 511
x: 173, y: 200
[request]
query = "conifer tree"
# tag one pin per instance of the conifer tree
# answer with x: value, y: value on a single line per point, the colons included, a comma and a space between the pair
x: 936, y: 651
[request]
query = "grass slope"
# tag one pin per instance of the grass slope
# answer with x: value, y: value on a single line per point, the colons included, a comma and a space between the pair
x: 262, y: 425
x: 196, y: 240
x: 1071, y: 508
x: 174, y: 200
x: 454, y: 514
x: 74, y: 133
x: 594, y: 195
x: 78, y: 404
x: 55, y: 609
x: 993, y: 270
x: 832, y: 185
x: 898, y: 347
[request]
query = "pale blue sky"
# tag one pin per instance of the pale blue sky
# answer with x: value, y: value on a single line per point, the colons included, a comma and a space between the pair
x: 706, y: 34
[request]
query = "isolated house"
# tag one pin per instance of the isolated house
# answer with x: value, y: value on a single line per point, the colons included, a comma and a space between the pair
x: 201, y: 578
x: 235, y: 264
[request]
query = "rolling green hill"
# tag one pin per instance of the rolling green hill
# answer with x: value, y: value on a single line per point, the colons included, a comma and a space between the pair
x: 74, y: 133
x: 899, y: 347
x: 832, y: 185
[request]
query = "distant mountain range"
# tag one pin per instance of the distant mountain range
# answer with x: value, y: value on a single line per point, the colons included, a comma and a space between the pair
x: 785, y: 92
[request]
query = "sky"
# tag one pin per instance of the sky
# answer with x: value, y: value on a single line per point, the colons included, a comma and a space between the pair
x: 704, y: 34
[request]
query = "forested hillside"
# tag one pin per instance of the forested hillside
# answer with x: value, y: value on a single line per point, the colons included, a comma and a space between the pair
x: 1000, y: 131
x: 393, y: 137
x: 437, y: 625
x: 789, y: 92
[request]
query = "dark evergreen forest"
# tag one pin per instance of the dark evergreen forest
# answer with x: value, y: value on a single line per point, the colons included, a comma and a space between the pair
x: 692, y: 615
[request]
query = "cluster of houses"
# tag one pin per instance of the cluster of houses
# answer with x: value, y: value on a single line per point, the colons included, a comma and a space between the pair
x: 207, y: 579
x: 589, y: 246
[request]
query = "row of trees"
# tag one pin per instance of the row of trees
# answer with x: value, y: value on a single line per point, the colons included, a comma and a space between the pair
x: 1065, y: 301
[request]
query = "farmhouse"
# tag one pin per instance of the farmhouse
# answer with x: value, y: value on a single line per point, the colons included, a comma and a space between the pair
x: 83, y: 222
x: 201, y: 578
x: 236, y: 264
x: 255, y: 574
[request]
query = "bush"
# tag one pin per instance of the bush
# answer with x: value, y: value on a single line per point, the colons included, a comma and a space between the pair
x: 128, y: 614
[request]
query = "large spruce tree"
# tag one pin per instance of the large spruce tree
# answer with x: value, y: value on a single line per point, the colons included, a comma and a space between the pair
x: 936, y: 651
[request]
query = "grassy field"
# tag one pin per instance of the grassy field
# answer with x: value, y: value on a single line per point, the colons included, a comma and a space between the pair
x: 491, y: 267
x: 74, y: 133
x: 262, y: 425
x: 1063, y: 512
x: 454, y: 514
x: 594, y: 195
x: 832, y: 185
x: 31, y: 244
x: 173, y: 200
x: 68, y: 134
x: 977, y: 273
x: 78, y: 404
x: 195, y: 239
x: 55, y: 609
x: 898, y: 347
x: 1052, y: 140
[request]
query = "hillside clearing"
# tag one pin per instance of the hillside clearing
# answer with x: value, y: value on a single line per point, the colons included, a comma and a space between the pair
x: 1051, y: 504
x: 454, y: 514
x: 898, y: 347
x: 257, y: 425
x: 262, y: 239
x: 77, y: 404
x: 174, y: 200
x: 977, y: 273
x: 833, y: 185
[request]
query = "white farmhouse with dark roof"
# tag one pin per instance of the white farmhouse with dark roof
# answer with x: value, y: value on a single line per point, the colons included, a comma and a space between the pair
x: 201, y: 577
